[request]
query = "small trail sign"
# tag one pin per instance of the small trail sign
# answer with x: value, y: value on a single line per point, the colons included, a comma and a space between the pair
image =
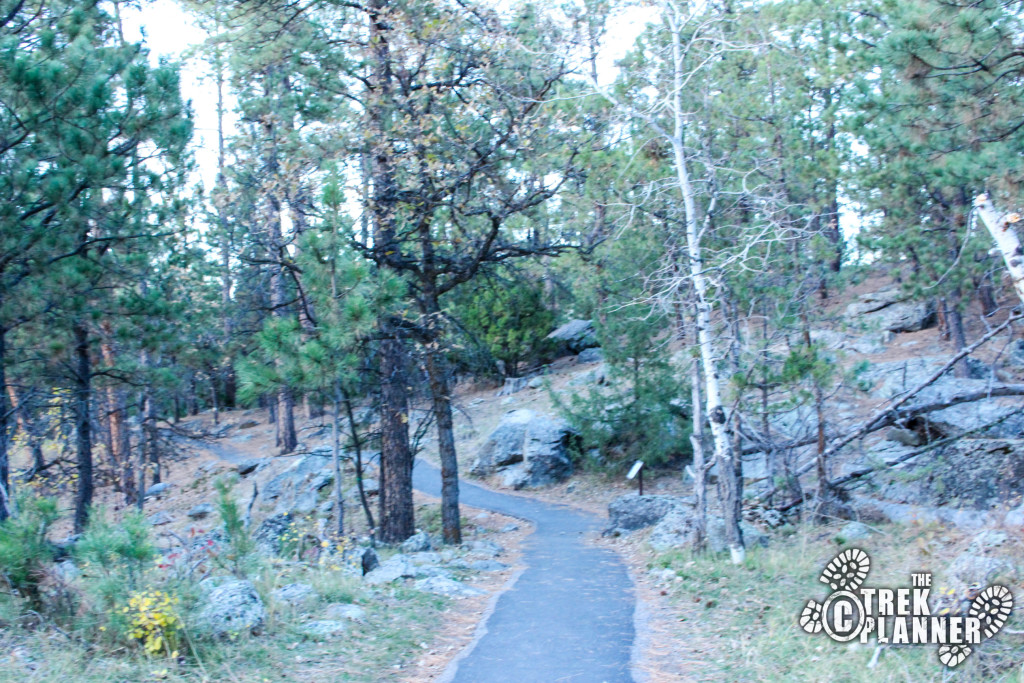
x: 637, y: 470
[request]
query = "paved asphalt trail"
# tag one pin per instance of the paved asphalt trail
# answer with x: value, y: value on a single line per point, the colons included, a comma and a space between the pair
x: 569, y: 616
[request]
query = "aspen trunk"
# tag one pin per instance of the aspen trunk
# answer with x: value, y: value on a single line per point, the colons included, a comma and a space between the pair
x: 709, y: 356
x: 1005, y: 238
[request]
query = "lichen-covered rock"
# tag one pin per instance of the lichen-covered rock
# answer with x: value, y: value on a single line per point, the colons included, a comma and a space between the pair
x: 417, y: 543
x: 201, y: 511
x: 272, y: 532
x: 397, y: 568
x: 231, y: 608
x: 339, y: 611
x: 295, y: 594
x: 440, y: 585
x: 527, y: 450
x: 574, y: 336
x: 324, y: 628
x: 631, y: 512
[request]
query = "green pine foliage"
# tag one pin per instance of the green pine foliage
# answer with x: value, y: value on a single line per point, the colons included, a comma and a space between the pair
x: 24, y: 549
x: 505, y: 317
x: 640, y: 411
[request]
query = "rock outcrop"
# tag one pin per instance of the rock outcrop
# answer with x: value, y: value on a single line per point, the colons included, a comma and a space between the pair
x: 574, y: 336
x: 526, y: 450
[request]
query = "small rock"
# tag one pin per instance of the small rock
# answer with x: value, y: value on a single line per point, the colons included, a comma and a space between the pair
x: 425, y: 557
x: 394, y: 569
x: 535, y: 383
x: 485, y: 548
x: 248, y: 424
x: 853, y: 531
x: 250, y: 465
x: 200, y: 511
x: 417, y: 543
x: 488, y: 566
x: 341, y: 610
x: 295, y: 594
x: 510, y: 527
x: 427, y: 571
x: 324, y: 628
x: 481, y: 517
x: 67, y: 570
x: 160, y: 518
x: 439, y: 585
x: 157, y: 489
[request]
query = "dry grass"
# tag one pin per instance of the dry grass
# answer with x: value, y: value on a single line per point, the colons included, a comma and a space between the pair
x: 711, y: 621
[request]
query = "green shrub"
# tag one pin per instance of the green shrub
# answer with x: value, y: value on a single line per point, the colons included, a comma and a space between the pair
x: 24, y: 550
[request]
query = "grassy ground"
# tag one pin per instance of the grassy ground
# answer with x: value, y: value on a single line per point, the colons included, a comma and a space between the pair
x: 739, y: 623
x: 398, y: 624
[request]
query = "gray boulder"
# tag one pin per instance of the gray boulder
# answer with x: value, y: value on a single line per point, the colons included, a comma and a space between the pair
x: 574, y: 336
x: 270, y: 534
x: 230, y: 609
x: 594, y: 355
x: 853, y: 531
x: 360, y: 560
x: 440, y: 585
x: 417, y: 543
x: 339, y: 611
x: 397, y: 568
x: 513, y: 385
x: 484, y: 548
x: 527, y: 449
x: 157, y: 489
x: 874, y: 301
x: 969, y: 416
x: 324, y: 628
x: 631, y: 512
x: 160, y: 518
x: 676, y: 530
x: 201, y: 511
x: 887, y: 310
x: 250, y: 465
x: 295, y: 594
x: 305, y: 477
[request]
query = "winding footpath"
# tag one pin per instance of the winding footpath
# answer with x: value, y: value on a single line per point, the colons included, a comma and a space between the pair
x: 569, y: 615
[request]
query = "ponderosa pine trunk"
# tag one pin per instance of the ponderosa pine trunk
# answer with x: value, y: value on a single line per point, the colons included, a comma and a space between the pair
x: 396, y: 506
x: 83, y: 427
x: 396, y: 514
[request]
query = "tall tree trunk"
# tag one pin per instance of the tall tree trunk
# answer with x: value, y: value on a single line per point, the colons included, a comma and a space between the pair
x: 357, y: 446
x: 83, y: 427
x: 716, y: 411
x: 6, y: 502
x: 700, y: 470
x: 339, y: 499
x: 442, y: 407
x: 396, y: 507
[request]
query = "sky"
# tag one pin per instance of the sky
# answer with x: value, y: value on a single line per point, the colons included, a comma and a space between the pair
x: 169, y: 32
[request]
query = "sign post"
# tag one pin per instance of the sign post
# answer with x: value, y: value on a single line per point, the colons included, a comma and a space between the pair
x: 637, y: 470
